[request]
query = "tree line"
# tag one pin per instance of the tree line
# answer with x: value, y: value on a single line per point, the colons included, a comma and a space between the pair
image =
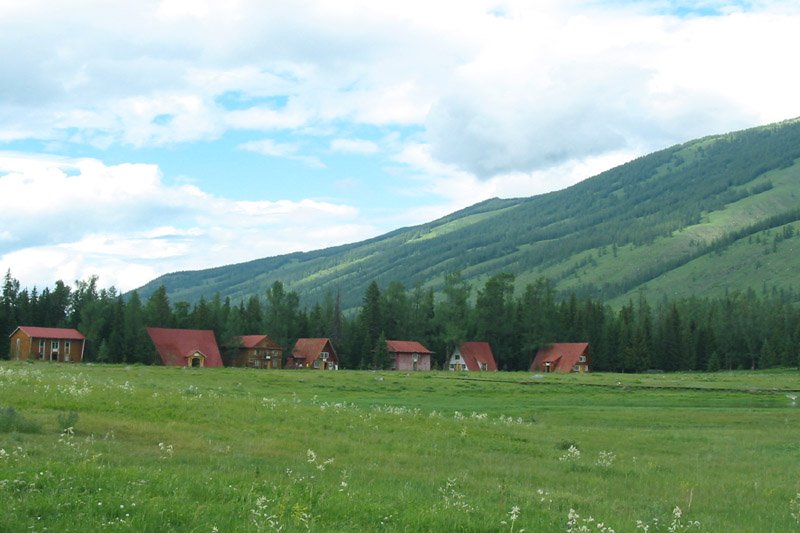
x: 742, y: 330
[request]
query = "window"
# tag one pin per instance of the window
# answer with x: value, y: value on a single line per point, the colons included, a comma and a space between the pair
x: 457, y: 356
x: 393, y: 366
x: 41, y: 348
x: 582, y: 359
x: 324, y: 355
x: 576, y: 368
x: 54, y: 346
x: 316, y: 363
x: 415, y: 357
x: 483, y: 366
x: 452, y: 367
x: 66, y: 347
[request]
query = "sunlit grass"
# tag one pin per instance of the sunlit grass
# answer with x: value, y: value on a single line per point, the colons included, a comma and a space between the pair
x: 165, y: 449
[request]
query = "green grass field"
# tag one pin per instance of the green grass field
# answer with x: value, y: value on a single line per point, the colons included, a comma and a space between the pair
x: 170, y: 449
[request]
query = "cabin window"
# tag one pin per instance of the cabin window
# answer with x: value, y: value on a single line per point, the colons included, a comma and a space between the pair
x: 415, y: 357
x: 576, y: 368
x: 483, y: 366
x: 66, y: 347
x: 324, y: 355
x: 316, y: 363
x: 452, y: 367
x: 54, y: 346
x: 457, y: 356
x: 582, y: 359
x: 41, y: 348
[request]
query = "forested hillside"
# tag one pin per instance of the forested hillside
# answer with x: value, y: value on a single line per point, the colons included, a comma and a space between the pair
x: 706, y: 216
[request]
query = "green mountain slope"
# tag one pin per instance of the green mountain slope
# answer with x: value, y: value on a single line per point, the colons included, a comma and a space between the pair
x: 697, y: 218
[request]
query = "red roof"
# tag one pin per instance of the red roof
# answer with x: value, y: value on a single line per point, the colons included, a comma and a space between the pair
x: 51, y: 333
x: 175, y: 345
x: 406, y: 347
x: 250, y: 341
x: 476, y: 353
x: 562, y: 356
x: 308, y: 350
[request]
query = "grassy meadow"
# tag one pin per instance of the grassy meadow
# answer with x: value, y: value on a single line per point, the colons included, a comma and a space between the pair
x: 94, y: 447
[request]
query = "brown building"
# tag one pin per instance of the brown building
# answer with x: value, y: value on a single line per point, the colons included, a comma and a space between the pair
x: 47, y: 344
x: 563, y: 357
x: 257, y: 351
x: 186, y: 347
x: 313, y: 353
x: 474, y: 357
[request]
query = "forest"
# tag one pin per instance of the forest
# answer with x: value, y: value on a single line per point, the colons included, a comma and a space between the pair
x: 740, y: 330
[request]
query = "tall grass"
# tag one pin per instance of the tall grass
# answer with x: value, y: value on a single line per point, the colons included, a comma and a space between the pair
x: 165, y: 449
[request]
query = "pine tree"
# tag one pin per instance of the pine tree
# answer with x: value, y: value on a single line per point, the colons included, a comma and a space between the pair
x: 380, y: 359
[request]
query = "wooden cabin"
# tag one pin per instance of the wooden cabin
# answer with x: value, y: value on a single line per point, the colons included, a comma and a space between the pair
x: 186, y: 347
x: 256, y: 351
x: 563, y: 357
x: 473, y: 357
x: 408, y: 355
x: 313, y: 354
x: 47, y: 344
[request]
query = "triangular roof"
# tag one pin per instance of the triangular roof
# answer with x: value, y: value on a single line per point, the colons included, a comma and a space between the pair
x: 50, y: 333
x: 406, y: 347
x: 175, y: 345
x: 250, y: 341
x: 475, y: 353
x: 309, y: 349
x: 564, y: 355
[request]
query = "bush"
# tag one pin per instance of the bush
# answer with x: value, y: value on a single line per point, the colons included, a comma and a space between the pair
x: 67, y: 420
x: 10, y: 420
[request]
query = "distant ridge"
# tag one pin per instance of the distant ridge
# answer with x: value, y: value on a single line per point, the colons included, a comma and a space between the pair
x: 707, y: 216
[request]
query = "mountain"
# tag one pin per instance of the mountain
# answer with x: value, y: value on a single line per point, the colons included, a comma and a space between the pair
x: 700, y: 218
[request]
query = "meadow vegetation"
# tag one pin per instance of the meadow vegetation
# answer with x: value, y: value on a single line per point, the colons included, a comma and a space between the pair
x: 171, y: 449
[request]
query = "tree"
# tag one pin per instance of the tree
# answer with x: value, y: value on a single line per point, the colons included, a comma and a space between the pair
x: 494, y: 316
x: 381, y: 359
x: 453, y: 312
x: 137, y: 345
x: 372, y: 314
x: 157, y: 312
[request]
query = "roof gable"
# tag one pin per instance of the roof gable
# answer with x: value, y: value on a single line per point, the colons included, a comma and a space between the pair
x: 262, y: 341
x: 565, y: 355
x: 174, y: 346
x: 309, y: 349
x: 476, y: 353
x: 407, y: 347
x: 50, y: 333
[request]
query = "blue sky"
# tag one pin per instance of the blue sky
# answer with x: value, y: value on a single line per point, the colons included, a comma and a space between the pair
x: 143, y: 138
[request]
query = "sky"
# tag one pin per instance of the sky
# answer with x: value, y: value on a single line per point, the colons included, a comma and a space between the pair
x: 141, y: 138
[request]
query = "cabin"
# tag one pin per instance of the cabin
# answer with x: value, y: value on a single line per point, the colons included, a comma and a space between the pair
x: 47, y: 344
x: 313, y: 353
x: 473, y: 357
x: 256, y: 351
x: 408, y: 355
x: 563, y: 357
x: 186, y: 347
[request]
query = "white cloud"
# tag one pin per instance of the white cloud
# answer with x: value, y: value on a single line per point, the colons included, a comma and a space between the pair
x: 148, y: 228
x: 354, y: 146
x: 469, y: 100
x: 289, y: 150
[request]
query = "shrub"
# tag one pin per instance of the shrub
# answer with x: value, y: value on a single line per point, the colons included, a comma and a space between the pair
x: 67, y: 420
x: 11, y: 420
